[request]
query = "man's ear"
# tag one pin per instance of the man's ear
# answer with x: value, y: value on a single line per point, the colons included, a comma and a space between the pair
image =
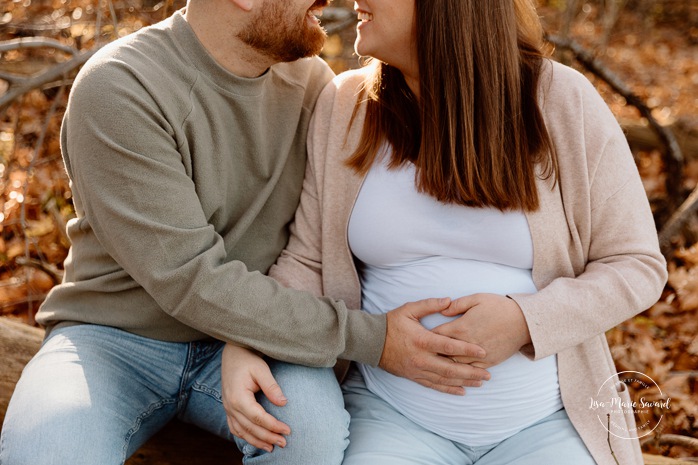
x: 244, y: 5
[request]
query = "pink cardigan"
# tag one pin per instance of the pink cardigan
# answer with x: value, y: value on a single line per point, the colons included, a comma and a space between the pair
x: 596, y: 258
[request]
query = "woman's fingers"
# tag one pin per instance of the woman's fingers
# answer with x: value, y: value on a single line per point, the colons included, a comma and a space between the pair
x: 255, y: 435
x: 243, y: 374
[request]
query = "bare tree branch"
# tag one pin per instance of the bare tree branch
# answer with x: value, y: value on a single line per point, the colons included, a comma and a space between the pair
x: 31, y: 298
x: 21, y: 86
x: 114, y: 21
x: 672, y: 227
x: 51, y: 270
x: 672, y: 156
x: 36, y: 42
x: 678, y: 440
x: 595, y: 66
x: 98, y: 24
x: 10, y: 78
x: 570, y: 12
x: 610, y: 18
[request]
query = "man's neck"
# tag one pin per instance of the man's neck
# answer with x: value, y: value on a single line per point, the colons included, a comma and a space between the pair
x: 216, y: 24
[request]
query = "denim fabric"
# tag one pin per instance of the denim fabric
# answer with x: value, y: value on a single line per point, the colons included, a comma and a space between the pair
x: 94, y: 395
x: 379, y: 435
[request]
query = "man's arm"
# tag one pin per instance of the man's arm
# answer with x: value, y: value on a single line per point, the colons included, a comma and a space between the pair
x: 134, y: 193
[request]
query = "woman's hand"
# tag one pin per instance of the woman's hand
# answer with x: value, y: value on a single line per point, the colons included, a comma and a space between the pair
x: 243, y: 374
x: 413, y: 352
x: 494, y: 322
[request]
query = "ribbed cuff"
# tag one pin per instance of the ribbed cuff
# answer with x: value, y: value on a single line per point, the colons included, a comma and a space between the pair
x: 365, y: 337
x: 537, y: 331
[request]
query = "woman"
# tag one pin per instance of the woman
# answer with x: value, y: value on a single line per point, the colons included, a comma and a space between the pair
x: 472, y: 166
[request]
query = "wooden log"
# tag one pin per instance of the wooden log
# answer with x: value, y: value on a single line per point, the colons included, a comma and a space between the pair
x: 176, y: 444
x: 642, y: 137
x: 660, y: 460
x: 18, y: 344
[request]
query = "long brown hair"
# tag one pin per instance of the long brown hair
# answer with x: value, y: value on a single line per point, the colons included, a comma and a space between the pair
x: 475, y: 133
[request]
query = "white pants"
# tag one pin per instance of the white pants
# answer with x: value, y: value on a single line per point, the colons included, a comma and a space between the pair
x: 380, y: 435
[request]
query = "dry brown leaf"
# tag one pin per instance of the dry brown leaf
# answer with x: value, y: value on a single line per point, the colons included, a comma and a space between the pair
x: 39, y: 227
x: 685, y: 282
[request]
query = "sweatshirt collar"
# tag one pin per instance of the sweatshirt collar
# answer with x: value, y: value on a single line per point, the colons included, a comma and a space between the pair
x: 207, y: 66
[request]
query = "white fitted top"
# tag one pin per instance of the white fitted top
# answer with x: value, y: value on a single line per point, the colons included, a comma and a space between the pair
x: 411, y: 247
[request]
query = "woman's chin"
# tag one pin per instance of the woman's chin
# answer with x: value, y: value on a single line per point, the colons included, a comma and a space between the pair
x: 362, y: 50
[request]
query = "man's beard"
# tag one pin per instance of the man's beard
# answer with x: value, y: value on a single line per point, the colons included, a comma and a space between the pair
x: 283, y: 34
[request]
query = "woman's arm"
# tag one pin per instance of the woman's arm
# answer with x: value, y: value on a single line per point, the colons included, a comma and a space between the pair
x: 625, y: 271
x: 624, y: 274
x: 300, y: 264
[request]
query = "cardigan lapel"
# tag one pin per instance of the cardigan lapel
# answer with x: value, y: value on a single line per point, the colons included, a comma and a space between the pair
x: 547, y: 225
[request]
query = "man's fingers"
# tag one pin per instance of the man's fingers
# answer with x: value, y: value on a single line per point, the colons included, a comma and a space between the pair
x: 413, y: 352
x: 445, y: 345
x: 448, y: 389
x: 443, y: 374
x: 446, y: 385
x: 472, y: 383
x: 454, y: 390
x: 476, y: 362
x: 449, y: 372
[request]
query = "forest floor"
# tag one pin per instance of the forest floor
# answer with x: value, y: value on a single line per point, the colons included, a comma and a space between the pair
x: 651, y: 46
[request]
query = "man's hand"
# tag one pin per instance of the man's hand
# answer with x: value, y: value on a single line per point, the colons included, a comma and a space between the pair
x: 244, y: 373
x: 411, y: 351
x: 492, y: 321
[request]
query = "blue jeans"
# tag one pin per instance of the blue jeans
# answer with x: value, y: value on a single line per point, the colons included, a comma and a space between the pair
x: 94, y: 395
x: 380, y: 435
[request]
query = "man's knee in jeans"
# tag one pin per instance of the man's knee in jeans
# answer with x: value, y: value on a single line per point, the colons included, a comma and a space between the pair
x: 51, y: 423
x: 73, y: 405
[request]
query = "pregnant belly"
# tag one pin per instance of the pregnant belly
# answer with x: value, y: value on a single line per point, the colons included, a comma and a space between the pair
x: 520, y: 393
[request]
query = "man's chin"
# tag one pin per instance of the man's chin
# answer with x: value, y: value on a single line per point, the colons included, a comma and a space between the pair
x: 305, y: 51
x: 315, y: 41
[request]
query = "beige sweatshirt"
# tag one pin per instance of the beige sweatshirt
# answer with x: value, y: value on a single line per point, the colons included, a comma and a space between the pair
x: 185, y: 178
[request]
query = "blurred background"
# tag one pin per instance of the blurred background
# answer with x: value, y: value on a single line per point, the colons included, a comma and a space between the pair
x: 642, y: 55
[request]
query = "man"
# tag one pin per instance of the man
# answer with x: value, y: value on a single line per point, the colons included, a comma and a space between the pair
x: 185, y: 146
